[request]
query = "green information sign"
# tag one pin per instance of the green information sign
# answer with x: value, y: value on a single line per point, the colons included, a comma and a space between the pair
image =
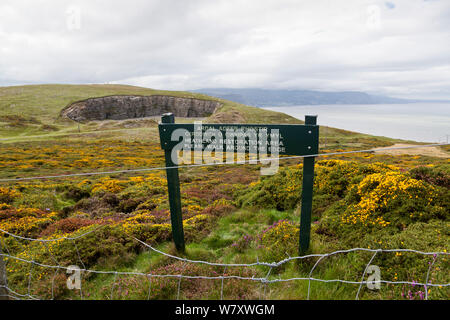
x: 252, y: 139
x: 290, y: 139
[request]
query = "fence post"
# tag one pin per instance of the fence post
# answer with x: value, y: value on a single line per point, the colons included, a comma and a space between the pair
x: 173, y: 185
x: 307, y: 192
x: 3, y: 280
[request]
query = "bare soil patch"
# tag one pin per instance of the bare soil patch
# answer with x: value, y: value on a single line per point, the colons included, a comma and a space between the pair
x: 422, y: 151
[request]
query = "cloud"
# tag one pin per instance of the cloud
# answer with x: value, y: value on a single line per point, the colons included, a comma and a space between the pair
x: 170, y: 44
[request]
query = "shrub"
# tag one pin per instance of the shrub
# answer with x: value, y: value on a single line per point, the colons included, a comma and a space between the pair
x: 219, y: 208
x: 148, y: 233
x: 432, y: 236
x: 162, y: 288
x: 108, y: 185
x: 243, y: 243
x: 281, y: 191
x: 279, y: 240
x: 76, y: 193
x: 129, y: 205
x: 67, y: 226
x: 27, y: 222
x: 97, y: 205
x: 391, y: 198
x: 431, y: 175
x: 8, y: 195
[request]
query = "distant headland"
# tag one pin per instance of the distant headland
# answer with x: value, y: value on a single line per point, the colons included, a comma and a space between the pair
x: 274, y: 97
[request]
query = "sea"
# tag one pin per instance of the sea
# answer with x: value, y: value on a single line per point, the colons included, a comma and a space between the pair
x: 423, y: 122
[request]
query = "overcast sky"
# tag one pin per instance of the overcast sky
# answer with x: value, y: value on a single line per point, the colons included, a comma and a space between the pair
x: 399, y: 48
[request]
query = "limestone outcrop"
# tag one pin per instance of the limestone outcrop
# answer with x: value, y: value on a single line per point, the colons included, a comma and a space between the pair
x: 130, y: 107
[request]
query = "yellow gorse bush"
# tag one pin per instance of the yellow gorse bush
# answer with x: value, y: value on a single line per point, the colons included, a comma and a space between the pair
x: 138, y: 179
x: 330, y: 171
x: 379, y: 190
x: 279, y: 240
x: 145, y: 216
x: 196, y: 220
x: 222, y: 202
x: 8, y: 195
x: 26, y: 220
x: 108, y: 185
x: 4, y: 206
x: 77, y: 155
x: 157, y: 180
x: 282, y: 231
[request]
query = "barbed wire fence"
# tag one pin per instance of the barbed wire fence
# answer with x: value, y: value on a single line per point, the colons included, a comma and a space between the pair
x: 6, y: 290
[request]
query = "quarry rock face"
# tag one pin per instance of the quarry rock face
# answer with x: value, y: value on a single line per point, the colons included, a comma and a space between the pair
x: 129, y: 107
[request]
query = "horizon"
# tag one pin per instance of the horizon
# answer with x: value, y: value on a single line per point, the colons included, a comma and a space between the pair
x: 412, y: 100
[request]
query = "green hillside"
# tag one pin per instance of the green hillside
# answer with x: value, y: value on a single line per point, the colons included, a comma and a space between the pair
x: 35, y: 109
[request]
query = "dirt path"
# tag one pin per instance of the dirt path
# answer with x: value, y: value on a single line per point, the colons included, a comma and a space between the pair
x: 423, y: 151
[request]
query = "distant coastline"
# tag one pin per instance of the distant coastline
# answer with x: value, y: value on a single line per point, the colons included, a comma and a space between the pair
x: 272, y: 97
x: 424, y: 122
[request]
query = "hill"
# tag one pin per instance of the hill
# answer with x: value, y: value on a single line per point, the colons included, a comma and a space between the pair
x: 272, y: 97
x: 35, y: 110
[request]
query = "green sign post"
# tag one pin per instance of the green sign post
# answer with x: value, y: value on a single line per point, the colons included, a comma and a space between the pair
x: 173, y: 185
x: 307, y: 193
x: 251, y: 139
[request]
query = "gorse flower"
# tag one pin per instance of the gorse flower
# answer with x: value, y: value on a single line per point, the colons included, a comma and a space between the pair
x: 381, y: 192
x: 7, y: 195
x: 108, y: 185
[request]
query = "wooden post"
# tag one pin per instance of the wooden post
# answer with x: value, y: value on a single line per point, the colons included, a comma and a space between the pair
x: 173, y: 185
x: 307, y: 193
x: 3, y: 279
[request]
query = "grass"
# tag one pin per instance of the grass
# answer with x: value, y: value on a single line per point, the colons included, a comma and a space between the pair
x: 216, y: 248
x: 35, y: 142
x: 45, y: 102
x: 39, y: 106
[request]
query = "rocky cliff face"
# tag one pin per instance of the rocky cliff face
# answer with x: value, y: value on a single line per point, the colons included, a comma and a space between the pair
x: 129, y: 107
